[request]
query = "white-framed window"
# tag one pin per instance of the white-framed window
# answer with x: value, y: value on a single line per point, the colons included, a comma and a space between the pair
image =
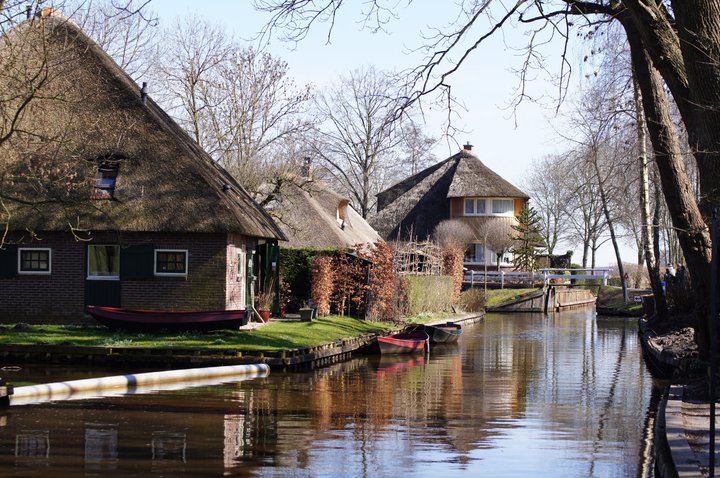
x: 34, y: 260
x: 103, y: 262
x: 488, y: 207
x: 505, y: 258
x: 475, y: 254
x: 503, y: 207
x: 171, y: 262
x: 474, y: 207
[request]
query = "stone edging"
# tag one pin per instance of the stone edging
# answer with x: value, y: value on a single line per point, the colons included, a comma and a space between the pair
x: 683, y: 458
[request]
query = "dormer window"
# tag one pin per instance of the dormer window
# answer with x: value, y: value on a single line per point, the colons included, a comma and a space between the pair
x: 342, y: 213
x: 105, y: 177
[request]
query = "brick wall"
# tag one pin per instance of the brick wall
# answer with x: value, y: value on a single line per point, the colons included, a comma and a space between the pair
x: 46, y: 298
x: 59, y: 297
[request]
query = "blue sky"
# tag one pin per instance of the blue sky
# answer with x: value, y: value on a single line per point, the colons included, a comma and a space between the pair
x: 486, y: 84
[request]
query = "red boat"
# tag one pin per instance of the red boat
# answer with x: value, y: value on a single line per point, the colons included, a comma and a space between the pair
x: 403, y: 343
x: 153, y: 320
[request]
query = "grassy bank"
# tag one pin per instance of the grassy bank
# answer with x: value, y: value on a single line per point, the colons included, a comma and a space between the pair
x: 610, y: 297
x: 275, y: 336
x: 496, y: 297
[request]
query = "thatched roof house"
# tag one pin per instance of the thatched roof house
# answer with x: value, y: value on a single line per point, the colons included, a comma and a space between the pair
x: 315, y: 216
x: 92, y: 157
x: 460, y: 187
x: 89, y: 112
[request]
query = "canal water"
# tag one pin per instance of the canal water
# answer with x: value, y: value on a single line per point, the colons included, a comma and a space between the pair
x: 563, y: 395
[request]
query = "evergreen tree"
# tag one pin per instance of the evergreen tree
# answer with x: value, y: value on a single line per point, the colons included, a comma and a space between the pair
x: 528, y: 239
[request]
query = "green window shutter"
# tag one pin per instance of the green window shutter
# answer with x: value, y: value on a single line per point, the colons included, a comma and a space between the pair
x: 8, y: 260
x: 137, y: 262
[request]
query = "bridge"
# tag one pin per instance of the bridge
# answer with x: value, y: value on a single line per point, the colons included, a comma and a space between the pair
x: 542, y: 276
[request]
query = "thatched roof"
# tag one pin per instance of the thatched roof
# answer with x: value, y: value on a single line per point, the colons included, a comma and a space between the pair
x: 417, y: 204
x: 88, y: 110
x: 310, y: 217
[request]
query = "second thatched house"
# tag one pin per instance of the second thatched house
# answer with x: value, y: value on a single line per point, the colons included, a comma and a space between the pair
x: 460, y: 187
x: 311, y: 215
x: 105, y: 199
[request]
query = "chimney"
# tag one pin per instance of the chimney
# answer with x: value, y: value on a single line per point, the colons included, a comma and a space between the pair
x: 48, y: 12
x: 468, y: 147
x: 305, y: 168
x: 28, y: 11
x: 143, y: 92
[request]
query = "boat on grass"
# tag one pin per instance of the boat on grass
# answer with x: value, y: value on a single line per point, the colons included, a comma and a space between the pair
x: 446, y: 333
x: 155, y: 320
x: 406, y: 342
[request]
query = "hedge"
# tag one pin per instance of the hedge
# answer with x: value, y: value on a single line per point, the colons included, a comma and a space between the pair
x: 296, y: 272
x: 429, y: 293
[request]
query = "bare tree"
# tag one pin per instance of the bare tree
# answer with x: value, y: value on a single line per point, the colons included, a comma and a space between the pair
x: 259, y: 117
x: 240, y: 105
x: 193, y: 53
x: 498, y: 237
x: 130, y: 39
x: 549, y: 186
x: 416, y: 148
x: 362, y: 137
x: 583, y: 209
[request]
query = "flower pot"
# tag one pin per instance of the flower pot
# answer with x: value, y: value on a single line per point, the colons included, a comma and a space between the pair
x: 306, y: 314
x: 264, y: 315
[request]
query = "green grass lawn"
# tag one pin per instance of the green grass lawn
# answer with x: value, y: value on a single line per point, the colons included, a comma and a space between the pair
x: 496, y: 297
x: 611, y: 297
x: 275, y: 336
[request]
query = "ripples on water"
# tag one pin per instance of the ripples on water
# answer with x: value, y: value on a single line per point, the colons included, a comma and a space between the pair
x: 521, y: 395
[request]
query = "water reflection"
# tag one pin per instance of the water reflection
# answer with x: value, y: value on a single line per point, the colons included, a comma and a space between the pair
x: 519, y: 395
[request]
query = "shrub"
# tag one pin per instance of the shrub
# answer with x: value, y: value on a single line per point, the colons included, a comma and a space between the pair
x: 472, y: 300
x: 349, y: 284
x: 384, y: 287
x: 428, y: 293
x: 453, y: 266
x: 322, y: 284
x: 296, y: 273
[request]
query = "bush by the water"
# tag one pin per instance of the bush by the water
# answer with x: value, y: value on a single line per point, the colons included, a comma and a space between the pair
x: 429, y: 293
x: 472, y: 300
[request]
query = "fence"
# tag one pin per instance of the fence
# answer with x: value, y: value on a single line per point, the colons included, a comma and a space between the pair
x: 543, y: 276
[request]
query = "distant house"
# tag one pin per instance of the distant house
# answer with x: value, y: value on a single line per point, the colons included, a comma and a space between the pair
x: 107, y: 201
x: 313, y: 216
x: 460, y: 187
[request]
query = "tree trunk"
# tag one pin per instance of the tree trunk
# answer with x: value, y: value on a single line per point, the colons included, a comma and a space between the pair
x: 693, y: 234
x: 609, y: 221
x: 656, y: 220
x: 646, y: 227
x: 698, y: 28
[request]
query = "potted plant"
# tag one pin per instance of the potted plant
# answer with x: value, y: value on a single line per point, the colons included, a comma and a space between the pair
x: 264, y: 301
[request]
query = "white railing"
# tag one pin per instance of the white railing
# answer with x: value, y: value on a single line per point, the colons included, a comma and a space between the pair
x: 559, y: 276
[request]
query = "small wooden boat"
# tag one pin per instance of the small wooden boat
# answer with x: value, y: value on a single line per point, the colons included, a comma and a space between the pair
x: 448, y: 332
x: 406, y: 342
x: 153, y: 320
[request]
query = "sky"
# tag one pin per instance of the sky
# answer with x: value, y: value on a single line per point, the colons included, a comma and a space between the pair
x: 507, y: 140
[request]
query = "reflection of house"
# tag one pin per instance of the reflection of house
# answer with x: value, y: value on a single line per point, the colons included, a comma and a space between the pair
x: 461, y: 187
x: 315, y: 216
x: 157, y: 223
